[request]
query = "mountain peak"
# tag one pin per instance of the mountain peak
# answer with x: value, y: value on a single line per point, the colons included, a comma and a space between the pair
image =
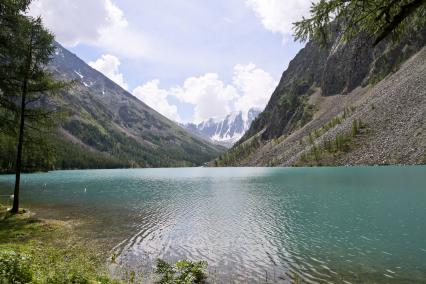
x: 226, y: 131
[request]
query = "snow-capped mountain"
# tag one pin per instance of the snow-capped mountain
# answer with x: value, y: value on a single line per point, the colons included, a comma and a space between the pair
x: 227, y: 131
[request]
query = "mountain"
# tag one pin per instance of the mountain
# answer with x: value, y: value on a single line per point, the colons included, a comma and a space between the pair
x: 107, y: 127
x: 107, y: 119
x: 345, y: 104
x: 224, y: 132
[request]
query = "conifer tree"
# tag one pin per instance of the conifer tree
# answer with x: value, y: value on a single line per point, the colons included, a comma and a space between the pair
x: 26, y: 86
x: 375, y: 18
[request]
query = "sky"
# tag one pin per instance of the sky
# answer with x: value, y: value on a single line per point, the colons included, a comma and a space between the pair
x: 190, y: 60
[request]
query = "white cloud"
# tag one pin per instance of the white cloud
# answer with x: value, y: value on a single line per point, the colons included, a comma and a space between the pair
x: 251, y: 88
x: 156, y: 98
x: 109, y: 66
x: 255, y: 87
x: 278, y: 16
x: 96, y: 22
x: 212, y: 98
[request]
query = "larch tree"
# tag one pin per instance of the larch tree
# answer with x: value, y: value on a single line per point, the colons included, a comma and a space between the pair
x: 26, y: 86
x: 378, y: 19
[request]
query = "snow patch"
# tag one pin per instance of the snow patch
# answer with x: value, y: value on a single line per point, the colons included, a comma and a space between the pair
x: 79, y: 74
x: 228, y: 130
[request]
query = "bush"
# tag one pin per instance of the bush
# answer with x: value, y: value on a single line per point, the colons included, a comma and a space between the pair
x: 183, y: 272
x: 14, y: 268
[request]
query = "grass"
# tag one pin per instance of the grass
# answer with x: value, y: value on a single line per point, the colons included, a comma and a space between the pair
x: 47, y: 251
x: 183, y: 272
x: 50, y: 251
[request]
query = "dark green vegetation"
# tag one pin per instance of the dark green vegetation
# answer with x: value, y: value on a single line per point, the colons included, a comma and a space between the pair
x: 182, y: 272
x: 324, y: 153
x: 237, y: 153
x: 47, y: 251
x: 377, y: 19
x: 51, y: 251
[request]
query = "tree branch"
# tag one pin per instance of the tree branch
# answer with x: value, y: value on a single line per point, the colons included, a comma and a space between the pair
x: 405, y: 12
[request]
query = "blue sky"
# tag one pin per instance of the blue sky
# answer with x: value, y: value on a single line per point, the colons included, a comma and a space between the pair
x: 188, y: 59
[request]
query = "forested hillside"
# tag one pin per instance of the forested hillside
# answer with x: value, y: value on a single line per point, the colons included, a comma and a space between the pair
x: 104, y: 126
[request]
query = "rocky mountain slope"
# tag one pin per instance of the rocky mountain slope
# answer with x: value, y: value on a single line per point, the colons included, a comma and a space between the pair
x: 224, y: 132
x: 109, y: 127
x: 343, y: 105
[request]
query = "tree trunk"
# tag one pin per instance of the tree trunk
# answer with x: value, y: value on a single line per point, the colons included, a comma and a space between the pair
x: 406, y: 11
x: 15, y: 208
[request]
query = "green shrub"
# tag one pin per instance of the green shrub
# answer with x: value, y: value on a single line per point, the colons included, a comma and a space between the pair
x: 317, y: 133
x: 316, y: 153
x: 14, y: 268
x: 239, y: 152
x: 356, y: 127
x: 183, y: 272
x: 311, y: 139
x: 69, y: 277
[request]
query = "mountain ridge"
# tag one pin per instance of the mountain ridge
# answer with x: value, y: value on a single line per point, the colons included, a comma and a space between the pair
x: 118, y: 118
x: 226, y: 131
x: 321, y: 91
x: 107, y: 127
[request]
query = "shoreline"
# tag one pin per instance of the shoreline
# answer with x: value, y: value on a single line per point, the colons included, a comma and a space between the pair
x: 49, y: 250
x: 230, y: 167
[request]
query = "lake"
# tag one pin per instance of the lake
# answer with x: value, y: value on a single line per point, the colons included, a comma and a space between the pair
x: 344, y: 225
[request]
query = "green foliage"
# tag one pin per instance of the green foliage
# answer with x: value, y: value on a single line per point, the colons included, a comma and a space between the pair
x: 59, y: 152
x: 14, y: 268
x: 311, y: 139
x: 273, y: 162
x: 356, y: 127
x: 56, y: 153
x: 104, y: 138
x: 294, y: 112
x: 183, y: 272
x: 340, y: 144
x: 36, y: 156
x: 25, y: 82
x: 374, y: 18
x: 317, y: 133
x: 278, y: 140
x: 238, y: 153
x: 40, y: 252
x: 297, y: 105
x: 68, y: 155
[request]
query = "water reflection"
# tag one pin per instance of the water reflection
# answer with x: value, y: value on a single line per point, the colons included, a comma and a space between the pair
x: 325, y: 225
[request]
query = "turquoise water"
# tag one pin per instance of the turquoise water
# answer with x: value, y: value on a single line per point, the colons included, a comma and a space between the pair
x: 251, y: 224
